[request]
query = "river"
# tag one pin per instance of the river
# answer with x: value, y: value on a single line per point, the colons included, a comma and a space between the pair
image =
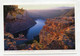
x: 35, y: 30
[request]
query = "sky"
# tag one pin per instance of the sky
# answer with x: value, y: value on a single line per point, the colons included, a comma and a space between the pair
x: 43, y: 6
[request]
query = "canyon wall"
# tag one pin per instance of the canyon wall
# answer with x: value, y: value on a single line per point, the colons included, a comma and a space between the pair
x: 22, y: 22
x: 16, y: 20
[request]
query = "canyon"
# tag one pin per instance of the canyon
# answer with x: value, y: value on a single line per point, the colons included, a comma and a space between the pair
x: 44, y: 29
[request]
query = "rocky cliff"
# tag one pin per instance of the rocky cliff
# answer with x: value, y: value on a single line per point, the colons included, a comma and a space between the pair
x: 58, y: 33
x: 16, y: 19
x: 22, y: 22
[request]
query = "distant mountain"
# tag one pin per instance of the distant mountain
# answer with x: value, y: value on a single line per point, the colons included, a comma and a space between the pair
x: 64, y: 8
x: 51, y: 13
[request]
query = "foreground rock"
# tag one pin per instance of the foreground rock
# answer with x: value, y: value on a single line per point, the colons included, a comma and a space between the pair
x: 58, y: 33
x: 9, y: 42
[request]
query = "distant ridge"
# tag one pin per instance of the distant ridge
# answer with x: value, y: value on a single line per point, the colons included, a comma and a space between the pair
x: 51, y: 13
x: 70, y: 13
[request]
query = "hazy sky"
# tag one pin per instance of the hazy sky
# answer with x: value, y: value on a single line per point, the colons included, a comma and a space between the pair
x: 45, y: 6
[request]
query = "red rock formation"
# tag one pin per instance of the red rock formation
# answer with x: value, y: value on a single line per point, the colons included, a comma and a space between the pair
x: 58, y: 30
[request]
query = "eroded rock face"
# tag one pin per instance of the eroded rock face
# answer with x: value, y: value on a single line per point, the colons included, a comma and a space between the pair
x: 58, y: 32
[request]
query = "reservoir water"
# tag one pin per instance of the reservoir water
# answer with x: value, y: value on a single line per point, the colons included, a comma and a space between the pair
x: 35, y: 30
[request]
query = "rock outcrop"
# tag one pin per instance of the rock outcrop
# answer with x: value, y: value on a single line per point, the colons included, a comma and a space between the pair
x: 9, y: 42
x: 58, y: 33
